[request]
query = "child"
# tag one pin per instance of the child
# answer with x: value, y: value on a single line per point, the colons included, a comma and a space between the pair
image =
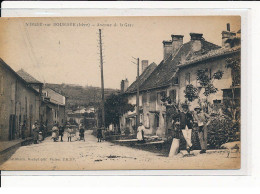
x: 69, y: 133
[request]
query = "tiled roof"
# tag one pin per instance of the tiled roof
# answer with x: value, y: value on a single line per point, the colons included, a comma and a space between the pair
x: 27, y: 77
x: 17, y: 75
x: 147, y: 72
x: 210, y: 54
x: 165, y: 71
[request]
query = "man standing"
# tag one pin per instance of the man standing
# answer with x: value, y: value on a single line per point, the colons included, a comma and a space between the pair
x: 99, y: 134
x: 186, y: 120
x: 61, y: 132
x: 201, y: 120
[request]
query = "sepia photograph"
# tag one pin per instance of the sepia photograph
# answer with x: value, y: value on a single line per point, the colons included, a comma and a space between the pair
x: 120, y: 93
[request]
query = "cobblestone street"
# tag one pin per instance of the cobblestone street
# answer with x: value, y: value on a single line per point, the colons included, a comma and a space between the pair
x: 89, y: 155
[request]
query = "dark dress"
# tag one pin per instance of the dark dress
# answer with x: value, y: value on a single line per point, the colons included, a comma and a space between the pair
x: 81, y: 132
x: 99, y: 133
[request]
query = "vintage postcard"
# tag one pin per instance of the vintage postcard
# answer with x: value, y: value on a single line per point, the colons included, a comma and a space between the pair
x: 112, y: 93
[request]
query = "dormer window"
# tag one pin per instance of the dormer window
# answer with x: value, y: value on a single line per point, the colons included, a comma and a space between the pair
x: 176, y: 81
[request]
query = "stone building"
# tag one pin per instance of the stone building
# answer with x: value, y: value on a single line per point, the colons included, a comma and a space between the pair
x: 178, y: 69
x: 164, y: 82
x: 52, y: 106
x: 128, y: 120
x: 19, y: 102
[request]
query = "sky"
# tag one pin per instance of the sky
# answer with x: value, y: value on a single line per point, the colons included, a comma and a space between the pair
x: 66, y: 49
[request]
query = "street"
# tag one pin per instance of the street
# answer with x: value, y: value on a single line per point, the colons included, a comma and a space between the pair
x: 91, y: 155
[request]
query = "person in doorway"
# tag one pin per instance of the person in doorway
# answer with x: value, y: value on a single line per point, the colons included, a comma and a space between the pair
x: 140, y: 132
x: 35, y: 129
x: 42, y: 130
x: 186, y: 122
x: 201, y: 120
x: 23, y: 129
x: 99, y: 134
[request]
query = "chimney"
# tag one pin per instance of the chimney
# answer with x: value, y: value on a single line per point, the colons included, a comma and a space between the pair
x: 196, y: 41
x: 177, y: 41
x: 167, y: 49
x: 124, y: 85
x: 226, y: 35
x: 144, y: 65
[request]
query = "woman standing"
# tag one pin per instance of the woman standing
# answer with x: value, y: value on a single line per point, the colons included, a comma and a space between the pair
x: 69, y: 132
x: 55, y: 132
x: 140, y: 132
x: 35, y: 129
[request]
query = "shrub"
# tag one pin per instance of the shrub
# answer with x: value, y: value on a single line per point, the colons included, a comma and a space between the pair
x: 220, y: 131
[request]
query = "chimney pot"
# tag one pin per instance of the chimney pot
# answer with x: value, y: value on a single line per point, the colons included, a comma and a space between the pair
x: 144, y: 65
x: 196, y: 36
x: 196, y: 41
x: 226, y: 35
x: 177, y: 41
x: 228, y: 27
x: 124, y: 85
x: 167, y: 49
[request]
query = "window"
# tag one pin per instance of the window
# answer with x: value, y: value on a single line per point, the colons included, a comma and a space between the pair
x: 210, y: 74
x: 147, y: 121
x: 176, y: 81
x: 173, y: 96
x: 216, y: 102
x: 157, y: 120
x: 160, y: 96
x: 141, y: 118
x: 13, y: 92
x: 26, y: 110
x: 187, y: 78
x: 148, y: 98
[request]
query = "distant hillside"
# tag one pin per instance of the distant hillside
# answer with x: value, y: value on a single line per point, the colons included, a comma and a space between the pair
x: 79, y: 95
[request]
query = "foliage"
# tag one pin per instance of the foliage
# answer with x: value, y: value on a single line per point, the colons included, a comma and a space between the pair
x: 191, y: 92
x: 202, y: 77
x: 220, y: 131
x: 234, y: 42
x: 80, y: 96
x: 206, y: 82
x: 115, y: 106
x: 225, y: 127
x: 235, y: 65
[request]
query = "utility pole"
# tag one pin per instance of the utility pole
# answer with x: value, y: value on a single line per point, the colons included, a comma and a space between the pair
x: 137, y: 95
x: 102, y: 80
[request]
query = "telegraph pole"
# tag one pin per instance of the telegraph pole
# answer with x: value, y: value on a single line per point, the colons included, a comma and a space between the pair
x: 137, y: 95
x: 102, y: 80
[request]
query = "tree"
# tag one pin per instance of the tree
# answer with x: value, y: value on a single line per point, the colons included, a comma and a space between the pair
x: 207, y: 83
x: 191, y: 93
x: 115, y: 106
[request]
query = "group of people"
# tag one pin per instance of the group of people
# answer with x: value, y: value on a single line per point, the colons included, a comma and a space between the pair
x: 185, y: 122
x: 58, y: 131
x: 61, y: 130
x: 39, y: 132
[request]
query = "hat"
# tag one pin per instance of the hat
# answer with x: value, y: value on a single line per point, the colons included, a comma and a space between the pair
x: 197, y: 107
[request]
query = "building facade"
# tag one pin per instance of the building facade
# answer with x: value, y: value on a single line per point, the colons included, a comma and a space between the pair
x: 19, y: 103
x: 178, y: 69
